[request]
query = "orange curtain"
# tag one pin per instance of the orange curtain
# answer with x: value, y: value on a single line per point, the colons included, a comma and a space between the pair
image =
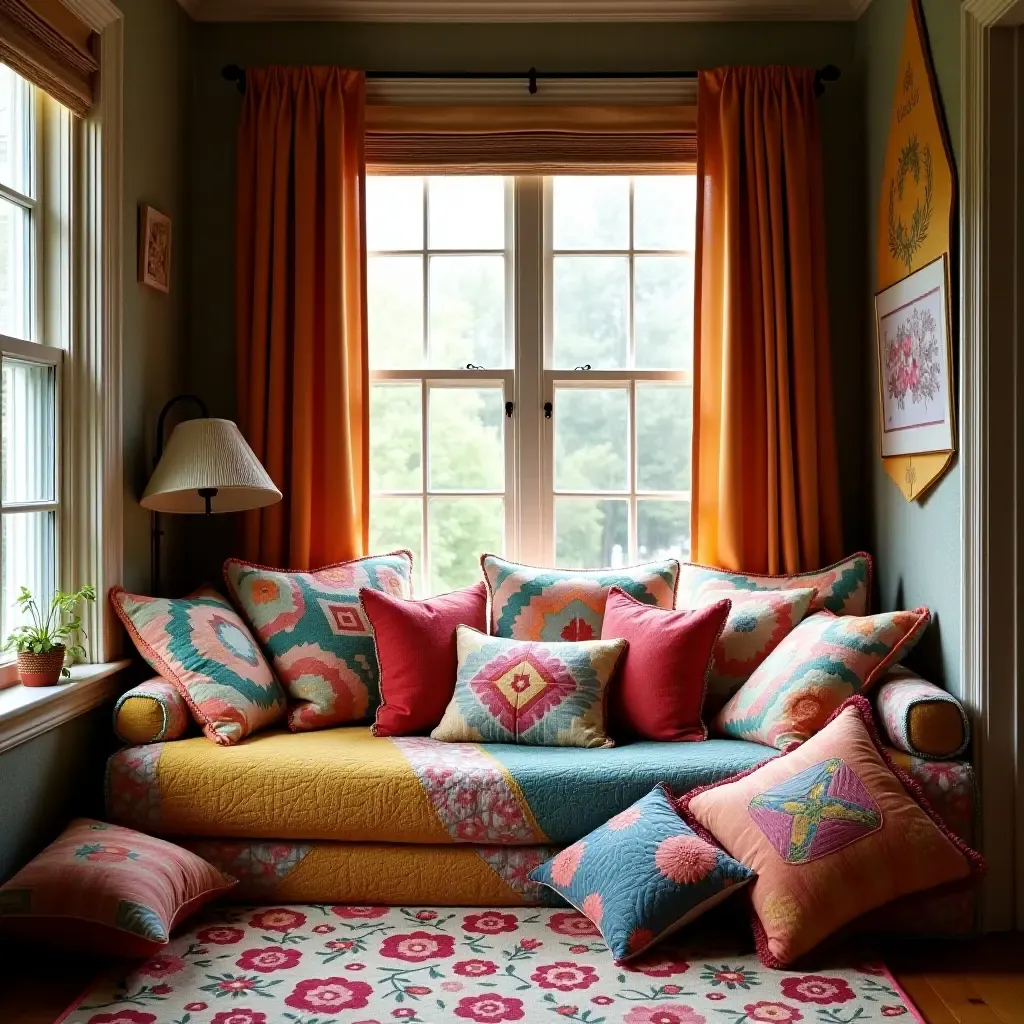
x: 303, y: 381
x: 765, y: 484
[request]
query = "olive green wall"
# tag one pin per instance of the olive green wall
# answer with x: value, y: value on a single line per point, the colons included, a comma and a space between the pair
x: 916, y: 545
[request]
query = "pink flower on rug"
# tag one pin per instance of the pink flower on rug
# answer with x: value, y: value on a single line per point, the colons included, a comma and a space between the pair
x: 564, y: 976
x: 339, y: 945
x: 530, y: 944
x: 239, y: 1016
x: 162, y: 966
x: 593, y: 907
x: 602, y: 1000
x: 123, y: 1017
x: 270, y: 958
x: 490, y: 923
x: 475, y: 968
x: 195, y: 1007
x: 658, y: 965
x: 564, y: 865
x: 417, y: 990
x: 403, y: 1013
x: 893, y: 1011
x: 715, y: 996
x: 685, y: 859
x: 416, y: 947
x: 162, y: 989
x: 624, y: 819
x: 323, y: 929
x: 489, y: 1009
x: 571, y: 923
x: 329, y: 995
x: 452, y: 986
x: 667, y: 1013
x: 567, y: 1011
x: 816, y: 989
x: 772, y: 1013
x: 232, y: 986
x: 280, y: 919
x: 220, y: 936
x: 426, y: 915
x: 360, y: 913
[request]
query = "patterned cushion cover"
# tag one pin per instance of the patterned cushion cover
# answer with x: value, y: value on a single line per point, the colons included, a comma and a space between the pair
x: 106, y: 890
x: 316, y: 633
x: 826, y: 659
x: 200, y: 645
x: 536, y: 694
x: 642, y: 875
x: 832, y: 830
x: 920, y: 718
x: 567, y: 604
x: 151, y: 712
x: 843, y: 588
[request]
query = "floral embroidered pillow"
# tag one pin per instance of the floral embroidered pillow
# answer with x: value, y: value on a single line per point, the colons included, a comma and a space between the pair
x: 107, y: 890
x: 151, y: 712
x: 568, y: 604
x: 920, y: 717
x: 535, y: 694
x: 316, y: 634
x: 825, y: 660
x: 642, y: 875
x: 201, y: 646
x: 843, y: 588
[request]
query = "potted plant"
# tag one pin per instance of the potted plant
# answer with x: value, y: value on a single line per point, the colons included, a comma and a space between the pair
x: 41, y: 643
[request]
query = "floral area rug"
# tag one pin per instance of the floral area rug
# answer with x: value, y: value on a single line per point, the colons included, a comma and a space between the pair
x: 387, y: 965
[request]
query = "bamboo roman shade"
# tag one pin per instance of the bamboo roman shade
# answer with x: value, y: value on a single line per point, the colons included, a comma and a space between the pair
x: 543, y: 139
x: 44, y: 42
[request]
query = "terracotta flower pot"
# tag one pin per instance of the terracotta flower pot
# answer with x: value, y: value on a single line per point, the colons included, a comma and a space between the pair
x: 41, y: 669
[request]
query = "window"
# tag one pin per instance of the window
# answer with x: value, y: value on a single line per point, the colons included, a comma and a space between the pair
x: 530, y: 349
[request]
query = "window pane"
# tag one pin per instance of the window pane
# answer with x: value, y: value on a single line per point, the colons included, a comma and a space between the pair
x: 14, y: 270
x: 394, y: 212
x: 664, y: 424
x: 591, y: 533
x: 397, y: 523
x: 591, y: 212
x: 467, y: 439
x: 664, y: 212
x: 591, y: 439
x: 396, y: 427
x: 15, y: 131
x: 27, y: 554
x: 467, y: 311
x: 395, y: 300
x: 467, y: 212
x: 27, y: 433
x: 591, y: 314
x: 461, y: 529
x: 663, y: 315
x: 663, y: 529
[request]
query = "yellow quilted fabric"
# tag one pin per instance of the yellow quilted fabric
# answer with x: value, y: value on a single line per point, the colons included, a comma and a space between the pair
x: 139, y: 719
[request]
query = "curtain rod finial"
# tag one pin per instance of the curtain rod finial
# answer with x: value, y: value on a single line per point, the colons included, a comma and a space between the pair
x: 233, y: 73
x: 829, y: 73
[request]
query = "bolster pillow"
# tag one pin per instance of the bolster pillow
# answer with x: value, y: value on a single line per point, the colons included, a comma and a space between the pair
x: 151, y: 712
x: 920, y: 717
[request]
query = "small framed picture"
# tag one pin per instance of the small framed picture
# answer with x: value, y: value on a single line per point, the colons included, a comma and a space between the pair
x: 154, y: 248
x: 915, y: 359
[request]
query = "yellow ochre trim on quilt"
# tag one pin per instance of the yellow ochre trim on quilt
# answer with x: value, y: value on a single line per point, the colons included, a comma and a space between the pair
x: 936, y: 727
x: 139, y: 719
x: 518, y: 793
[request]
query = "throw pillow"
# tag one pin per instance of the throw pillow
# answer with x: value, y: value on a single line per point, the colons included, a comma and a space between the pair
x: 200, y: 645
x: 824, y: 660
x: 312, y: 626
x: 659, y: 689
x: 536, y: 694
x: 832, y: 830
x: 108, y: 891
x: 843, y: 588
x: 416, y: 649
x: 151, y: 712
x: 642, y: 875
x: 567, y: 604
x: 920, y: 718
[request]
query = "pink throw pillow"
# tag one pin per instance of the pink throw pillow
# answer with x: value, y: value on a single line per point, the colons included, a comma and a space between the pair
x: 663, y: 675
x: 416, y: 649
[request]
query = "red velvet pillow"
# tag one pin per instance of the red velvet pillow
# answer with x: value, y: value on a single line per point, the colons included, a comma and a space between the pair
x: 660, y: 686
x: 418, y: 659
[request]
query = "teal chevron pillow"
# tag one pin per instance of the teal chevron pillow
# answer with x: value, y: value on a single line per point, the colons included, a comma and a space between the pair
x: 535, y: 694
x: 316, y: 634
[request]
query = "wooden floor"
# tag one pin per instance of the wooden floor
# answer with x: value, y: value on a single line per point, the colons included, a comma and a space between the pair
x: 951, y: 983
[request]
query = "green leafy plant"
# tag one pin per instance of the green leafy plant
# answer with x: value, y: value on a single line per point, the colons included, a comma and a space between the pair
x: 61, y: 623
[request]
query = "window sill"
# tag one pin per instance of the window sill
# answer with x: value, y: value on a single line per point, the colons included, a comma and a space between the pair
x: 28, y: 711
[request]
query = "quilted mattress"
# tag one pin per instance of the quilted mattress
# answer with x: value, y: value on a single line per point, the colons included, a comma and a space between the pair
x: 345, y: 785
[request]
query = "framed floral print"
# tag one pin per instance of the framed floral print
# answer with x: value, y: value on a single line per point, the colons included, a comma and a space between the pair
x: 915, y: 386
x: 154, y: 249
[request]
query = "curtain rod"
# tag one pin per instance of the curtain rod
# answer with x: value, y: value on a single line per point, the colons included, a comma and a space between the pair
x: 829, y: 73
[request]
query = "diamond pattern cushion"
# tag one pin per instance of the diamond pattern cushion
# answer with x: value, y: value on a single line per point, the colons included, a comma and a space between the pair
x: 643, y: 875
x: 201, y: 646
x: 843, y: 588
x: 151, y: 712
x: 536, y: 694
x: 833, y: 830
x: 826, y: 659
x: 568, y: 604
x: 316, y: 633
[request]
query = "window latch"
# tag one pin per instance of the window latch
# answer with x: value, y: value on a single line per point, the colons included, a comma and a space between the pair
x: 509, y: 406
x: 585, y: 366
x: 473, y: 366
x: 548, y: 408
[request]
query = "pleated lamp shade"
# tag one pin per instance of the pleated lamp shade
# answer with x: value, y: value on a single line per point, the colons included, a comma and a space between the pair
x: 205, y: 455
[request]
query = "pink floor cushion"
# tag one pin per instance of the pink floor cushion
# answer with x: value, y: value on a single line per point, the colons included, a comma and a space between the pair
x: 316, y: 634
x: 659, y: 689
x: 826, y: 659
x: 535, y: 694
x: 643, y: 875
x: 106, y: 890
x: 833, y: 830
x: 843, y: 588
x: 201, y: 646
